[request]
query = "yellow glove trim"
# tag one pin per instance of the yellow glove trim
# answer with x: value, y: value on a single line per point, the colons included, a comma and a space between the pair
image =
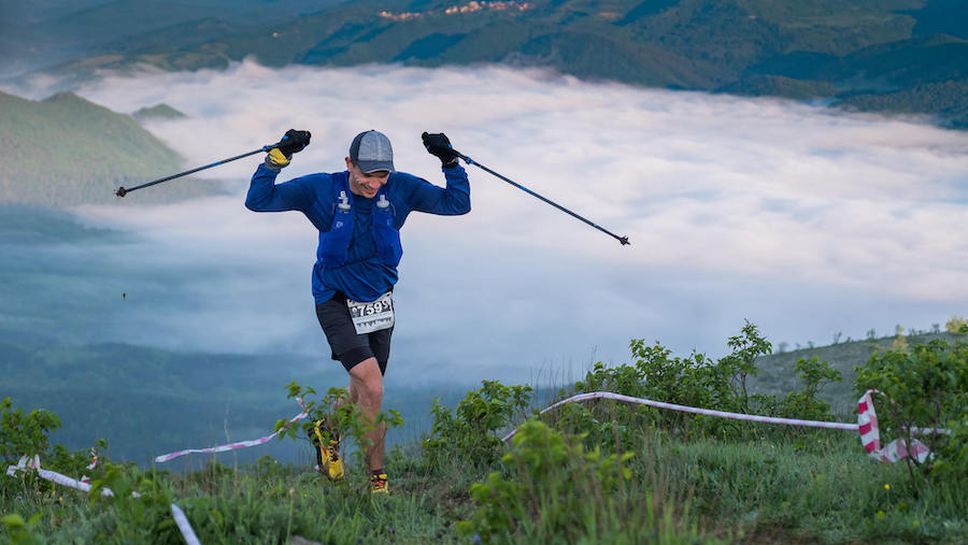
x: 276, y: 158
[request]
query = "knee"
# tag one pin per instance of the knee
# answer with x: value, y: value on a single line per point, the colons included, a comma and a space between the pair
x: 374, y: 390
x: 368, y: 382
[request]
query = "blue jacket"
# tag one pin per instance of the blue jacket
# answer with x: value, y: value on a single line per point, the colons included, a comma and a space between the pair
x: 366, y: 270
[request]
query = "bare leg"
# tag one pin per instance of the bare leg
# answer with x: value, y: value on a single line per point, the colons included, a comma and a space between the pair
x: 366, y: 391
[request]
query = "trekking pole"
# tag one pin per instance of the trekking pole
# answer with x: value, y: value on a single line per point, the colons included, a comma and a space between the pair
x: 121, y: 192
x: 469, y: 161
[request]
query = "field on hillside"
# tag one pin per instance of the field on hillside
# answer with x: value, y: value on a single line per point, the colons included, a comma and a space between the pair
x: 599, y: 472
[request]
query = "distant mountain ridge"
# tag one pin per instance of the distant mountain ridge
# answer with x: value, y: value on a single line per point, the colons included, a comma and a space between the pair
x: 777, y: 371
x: 908, y: 56
x: 65, y: 151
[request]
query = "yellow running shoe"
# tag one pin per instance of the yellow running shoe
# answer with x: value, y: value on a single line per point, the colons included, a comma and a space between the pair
x: 379, y: 483
x: 327, y: 451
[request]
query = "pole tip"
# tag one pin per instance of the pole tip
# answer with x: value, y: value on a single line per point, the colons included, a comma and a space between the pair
x: 624, y: 241
x: 121, y: 192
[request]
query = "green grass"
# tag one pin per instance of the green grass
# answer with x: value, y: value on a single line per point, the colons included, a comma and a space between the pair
x: 804, y: 488
x: 601, y: 472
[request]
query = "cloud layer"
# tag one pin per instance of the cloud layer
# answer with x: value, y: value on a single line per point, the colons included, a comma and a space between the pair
x: 803, y: 220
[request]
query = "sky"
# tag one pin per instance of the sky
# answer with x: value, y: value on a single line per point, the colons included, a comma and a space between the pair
x: 805, y: 221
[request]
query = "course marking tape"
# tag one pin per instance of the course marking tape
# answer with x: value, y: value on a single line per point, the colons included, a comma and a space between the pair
x: 27, y: 464
x: 695, y: 410
x: 234, y: 446
x: 184, y: 526
x: 896, y: 450
x: 866, y: 424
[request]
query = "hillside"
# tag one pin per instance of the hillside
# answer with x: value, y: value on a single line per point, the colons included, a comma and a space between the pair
x: 157, y: 112
x: 777, y: 374
x: 593, y: 472
x: 907, y: 56
x: 65, y: 151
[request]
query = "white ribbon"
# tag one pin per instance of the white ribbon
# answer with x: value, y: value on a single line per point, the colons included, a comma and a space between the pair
x: 184, y: 526
x: 233, y: 446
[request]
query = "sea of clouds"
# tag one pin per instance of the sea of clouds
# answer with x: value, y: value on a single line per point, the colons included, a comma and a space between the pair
x: 804, y: 220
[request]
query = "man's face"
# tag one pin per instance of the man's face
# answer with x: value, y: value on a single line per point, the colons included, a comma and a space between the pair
x: 365, y: 185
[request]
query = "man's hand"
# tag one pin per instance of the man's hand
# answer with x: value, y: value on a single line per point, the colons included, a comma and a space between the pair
x: 292, y: 142
x: 439, y: 145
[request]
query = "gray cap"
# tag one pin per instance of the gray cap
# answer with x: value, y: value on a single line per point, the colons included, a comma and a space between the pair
x: 371, y: 152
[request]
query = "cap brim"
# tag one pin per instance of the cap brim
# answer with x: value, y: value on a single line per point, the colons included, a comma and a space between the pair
x: 368, y: 167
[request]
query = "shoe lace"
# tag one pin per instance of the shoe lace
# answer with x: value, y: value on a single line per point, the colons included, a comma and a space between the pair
x: 333, y: 451
x: 379, y: 481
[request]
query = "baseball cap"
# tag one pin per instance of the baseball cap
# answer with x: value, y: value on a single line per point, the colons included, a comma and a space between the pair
x: 371, y: 152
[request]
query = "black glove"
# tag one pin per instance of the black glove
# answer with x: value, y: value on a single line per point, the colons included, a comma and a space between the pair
x: 438, y: 144
x: 293, y: 142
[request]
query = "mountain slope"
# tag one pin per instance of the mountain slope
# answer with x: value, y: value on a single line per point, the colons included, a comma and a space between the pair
x: 65, y: 151
x: 777, y: 371
x: 869, y: 54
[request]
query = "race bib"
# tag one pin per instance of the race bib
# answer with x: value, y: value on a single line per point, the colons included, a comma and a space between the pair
x: 370, y: 317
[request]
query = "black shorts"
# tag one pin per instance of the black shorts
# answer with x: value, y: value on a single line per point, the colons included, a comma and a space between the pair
x: 349, y: 347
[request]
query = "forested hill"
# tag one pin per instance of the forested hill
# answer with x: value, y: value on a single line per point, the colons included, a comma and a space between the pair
x: 907, y: 56
x: 65, y: 151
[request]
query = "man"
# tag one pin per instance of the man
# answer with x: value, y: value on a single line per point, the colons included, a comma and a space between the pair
x: 359, y: 213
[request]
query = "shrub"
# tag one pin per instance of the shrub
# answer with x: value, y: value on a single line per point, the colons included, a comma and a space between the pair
x: 696, y: 381
x: 805, y: 404
x: 956, y: 325
x: 925, y: 386
x: 337, y: 413
x: 141, y: 518
x: 469, y: 432
x: 548, y: 486
x: 21, y: 532
x: 24, y: 434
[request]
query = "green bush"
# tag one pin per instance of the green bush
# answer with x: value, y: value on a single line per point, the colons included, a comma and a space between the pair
x: 925, y: 386
x: 21, y: 532
x: 469, y: 432
x: 24, y: 434
x: 551, y: 489
x: 340, y: 417
x: 547, y: 475
x: 805, y: 404
x: 696, y: 381
x: 145, y: 517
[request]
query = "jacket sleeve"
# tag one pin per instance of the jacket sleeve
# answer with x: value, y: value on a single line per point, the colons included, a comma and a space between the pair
x: 267, y: 196
x: 310, y: 194
x: 453, y: 200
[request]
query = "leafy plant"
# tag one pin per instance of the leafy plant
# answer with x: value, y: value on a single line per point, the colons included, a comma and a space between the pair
x: 21, y: 532
x: 339, y: 416
x: 925, y: 386
x: 804, y: 403
x: 24, y: 434
x: 549, y: 477
x: 469, y: 432
x: 956, y: 325
x: 696, y: 380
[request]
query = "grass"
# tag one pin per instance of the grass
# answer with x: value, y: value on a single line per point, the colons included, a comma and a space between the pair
x: 817, y: 487
x: 600, y: 472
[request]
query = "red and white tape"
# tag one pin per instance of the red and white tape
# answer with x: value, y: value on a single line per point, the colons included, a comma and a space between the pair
x: 870, y: 436
x: 234, y: 446
x: 866, y: 424
x: 27, y: 464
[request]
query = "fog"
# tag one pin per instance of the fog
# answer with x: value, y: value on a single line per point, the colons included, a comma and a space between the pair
x: 805, y: 221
